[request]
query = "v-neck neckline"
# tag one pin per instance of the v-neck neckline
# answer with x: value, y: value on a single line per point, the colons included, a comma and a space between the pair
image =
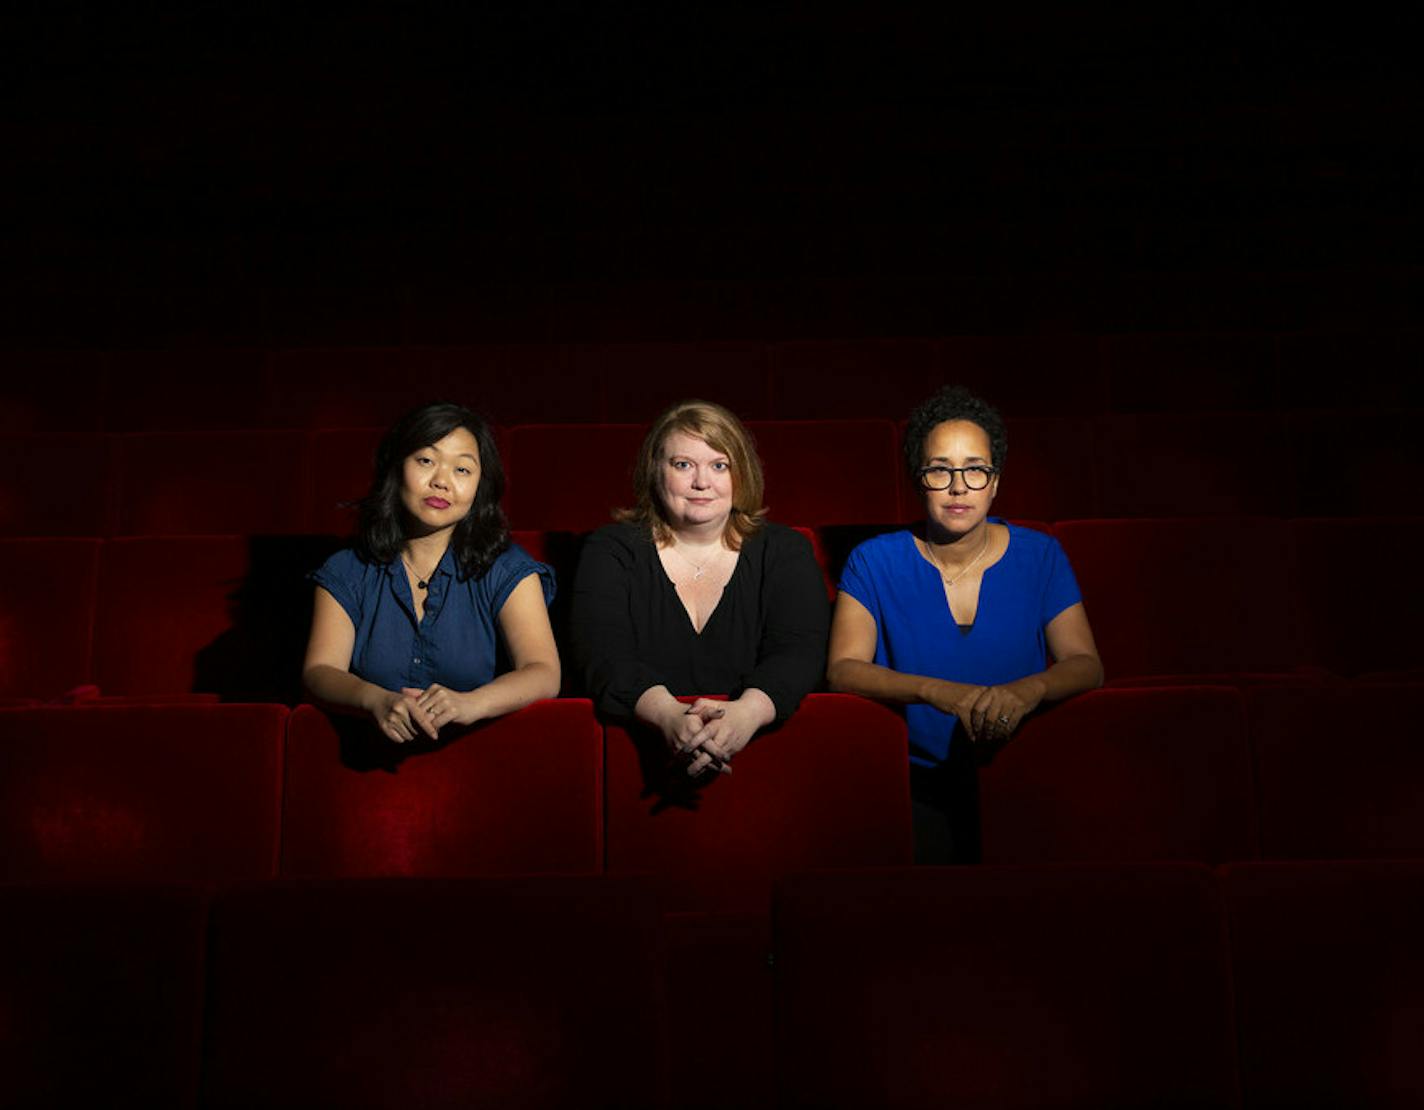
x: 672, y: 589
x: 932, y: 568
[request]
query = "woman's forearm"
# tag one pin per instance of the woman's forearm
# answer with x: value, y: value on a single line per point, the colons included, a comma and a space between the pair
x: 514, y: 690
x: 1069, y: 676
x: 339, y: 689
x: 855, y: 676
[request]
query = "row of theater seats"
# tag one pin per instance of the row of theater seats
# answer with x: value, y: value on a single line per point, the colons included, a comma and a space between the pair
x: 233, y: 792
x: 568, y: 476
x: 1170, y: 985
x: 228, y: 615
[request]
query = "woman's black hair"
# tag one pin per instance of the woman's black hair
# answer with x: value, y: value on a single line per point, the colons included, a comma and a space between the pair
x: 953, y: 402
x: 381, y: 529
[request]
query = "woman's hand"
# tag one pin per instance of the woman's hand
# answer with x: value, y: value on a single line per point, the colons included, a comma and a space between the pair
x: 399, y: 716
x: 727, y: 728
x: 997, y: 711
x: 444, y: 706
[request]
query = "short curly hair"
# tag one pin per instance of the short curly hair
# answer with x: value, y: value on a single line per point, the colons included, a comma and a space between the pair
x: 953, y: 402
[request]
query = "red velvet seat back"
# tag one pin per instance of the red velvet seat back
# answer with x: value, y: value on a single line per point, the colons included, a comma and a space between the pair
x: 34, y: 502
x: 515, y: 795
x: 1186, y: 596
x: 206, y: 483
x: 529, y: 992
x: 570, y: 477
x: 1150, y: 774
x: 1004, y: 987
x: 828, y: 471
x: 219, y: 614
x: 100, y: 995
x: 1375, y: 625
x: 340, y: 463
x: 172, y: 793
x: 1329, y: 982
x: 1341, y: 771
x: 46, y: 615
x: 830, y: 788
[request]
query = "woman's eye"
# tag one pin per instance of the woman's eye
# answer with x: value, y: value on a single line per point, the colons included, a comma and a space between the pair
x: 721, y: 467
x: 680, y: 464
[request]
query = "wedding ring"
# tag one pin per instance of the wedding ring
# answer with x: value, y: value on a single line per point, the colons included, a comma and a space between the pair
x: 1003, y: 720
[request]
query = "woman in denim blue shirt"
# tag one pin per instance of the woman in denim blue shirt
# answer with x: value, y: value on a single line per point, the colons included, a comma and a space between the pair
x: 408, y: 624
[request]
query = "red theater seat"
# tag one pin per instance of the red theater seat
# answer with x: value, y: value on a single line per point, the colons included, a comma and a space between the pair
x: 205, y: 483
x: 1377, y: 625
x: 570, y: 477
x: 830, y: 788
x: 1203, y: 464
x: 339, y: 468
x: 226, y: 615
x: 46, y: 633
x: 829, y: 471
x: 34, y: 502
x: 1340, y: 771
x: 852, y: 378
x: 171, y: 793
x: 637, y: 381
x: 101, y: 995
x: 529, y: 992
x: 1004, y: 987
x: 1329, y: 982
x: 1124, y: 775
x: 520, y: 794
x: 1186, y: 596
x: 1383, y: 467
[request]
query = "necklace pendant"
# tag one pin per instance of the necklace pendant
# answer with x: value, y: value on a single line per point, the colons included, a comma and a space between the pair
x: 422, y: 584
x: 696, y: 574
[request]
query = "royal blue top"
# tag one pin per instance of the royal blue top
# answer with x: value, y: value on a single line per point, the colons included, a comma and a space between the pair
x: 916, y: 634
x: 456, y: 643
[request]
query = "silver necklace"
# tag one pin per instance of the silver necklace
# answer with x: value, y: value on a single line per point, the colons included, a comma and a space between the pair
x: 983, y: 547
x: 697, y: 568
x: 422, y: 581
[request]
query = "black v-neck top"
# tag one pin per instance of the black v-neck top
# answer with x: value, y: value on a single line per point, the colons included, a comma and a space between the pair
x: 629, y: 632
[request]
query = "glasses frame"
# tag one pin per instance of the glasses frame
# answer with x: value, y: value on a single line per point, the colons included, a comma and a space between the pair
x: 991, y: 472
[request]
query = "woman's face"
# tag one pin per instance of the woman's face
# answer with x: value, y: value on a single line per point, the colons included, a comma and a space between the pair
x: 438, y: 482
x: 958, y: 509
x: 694, y: 482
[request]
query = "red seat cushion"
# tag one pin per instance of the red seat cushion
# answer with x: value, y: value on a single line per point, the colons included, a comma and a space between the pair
x: 46, y: 632
x: 829, y: 788
x: 515, y: 795
x: 537, y: 992
x: 187, y: 793
x: 100, y: 995
x: 1004, y: 987
x: 1329, y: 982
x: 1125, y: 775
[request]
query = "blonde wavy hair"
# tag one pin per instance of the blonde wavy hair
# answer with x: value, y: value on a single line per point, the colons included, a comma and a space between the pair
x: 723, y: 432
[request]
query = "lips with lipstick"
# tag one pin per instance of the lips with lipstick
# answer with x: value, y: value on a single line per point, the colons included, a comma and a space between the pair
x: 437, y: 502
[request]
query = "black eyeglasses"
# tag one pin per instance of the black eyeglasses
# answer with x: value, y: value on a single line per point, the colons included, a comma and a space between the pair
x: 942, y: 477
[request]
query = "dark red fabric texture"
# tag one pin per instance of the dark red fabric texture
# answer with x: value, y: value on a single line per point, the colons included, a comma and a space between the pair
x: 1200, y: 464
x: 1340, y: 769
x: 829, y: 788
x: 1186, y: 596
x: 177, y: 793
x: 1004, y: 987
x: 1124, y: 775
x: 1329, y: 982
x: 227, y: 615
x: 34, y: 501
x: 340, y: 463
x: 521, y: 794
x: 207, y: 483
x: 46, y: 615
x: 529, y: 992
x: 1375, y: 625
x: 570, y: 477
x: 828, y: 471
x: 100, y: 995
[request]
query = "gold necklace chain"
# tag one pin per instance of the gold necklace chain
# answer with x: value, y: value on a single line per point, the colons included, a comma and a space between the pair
x: 951, y: 581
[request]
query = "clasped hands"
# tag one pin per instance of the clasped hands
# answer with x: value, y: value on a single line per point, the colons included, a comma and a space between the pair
x: 708, y: 733
x: 403, y: 714
x: 991, y: 713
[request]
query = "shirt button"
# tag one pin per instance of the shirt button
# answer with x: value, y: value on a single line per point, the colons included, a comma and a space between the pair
x: 417, y: 659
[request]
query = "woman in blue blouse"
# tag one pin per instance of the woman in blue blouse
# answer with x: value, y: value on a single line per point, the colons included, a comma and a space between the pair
x: 970, y: 622
x: 409, y: 623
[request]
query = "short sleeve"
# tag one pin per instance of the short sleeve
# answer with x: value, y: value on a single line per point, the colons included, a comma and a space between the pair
x: 341, y: 576
x: 858, y: 579
x: 1060, y: 586
x: 511, y: 568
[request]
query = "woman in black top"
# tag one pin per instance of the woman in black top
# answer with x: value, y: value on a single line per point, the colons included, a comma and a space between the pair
x: 693, y: 592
